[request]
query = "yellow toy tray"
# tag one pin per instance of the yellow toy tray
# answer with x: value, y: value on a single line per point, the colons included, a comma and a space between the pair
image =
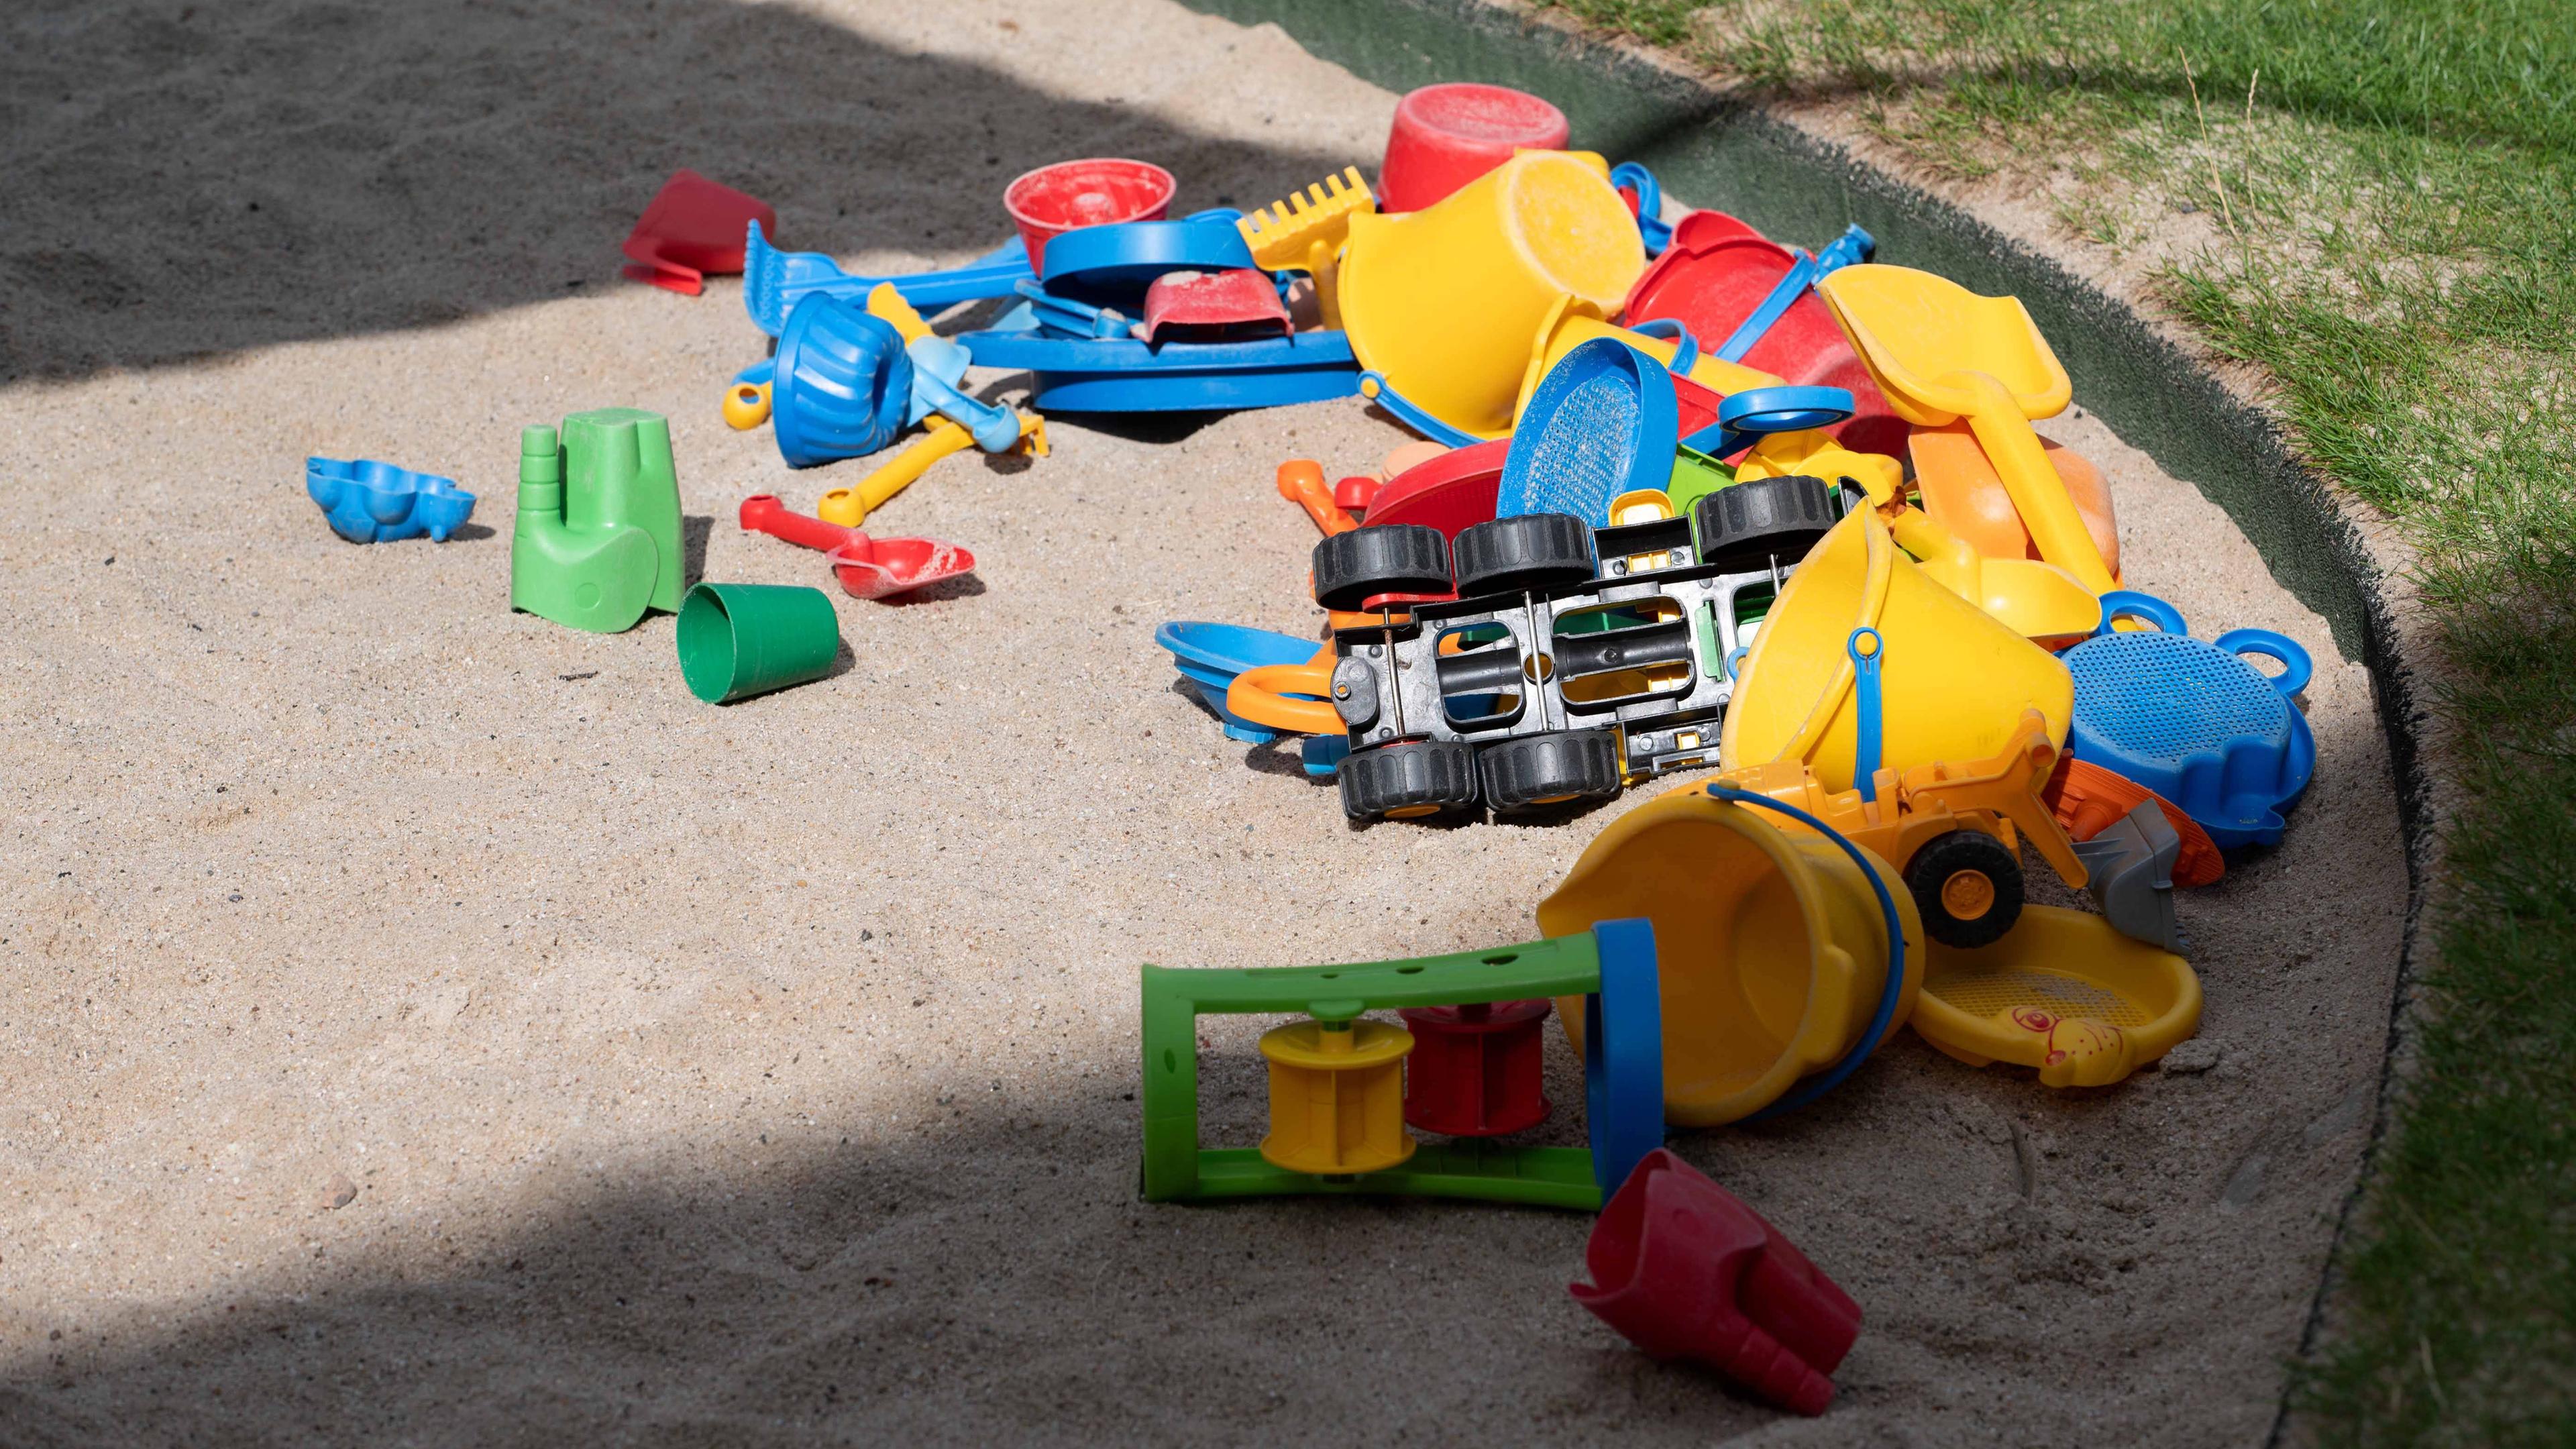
x: 2063, y: 992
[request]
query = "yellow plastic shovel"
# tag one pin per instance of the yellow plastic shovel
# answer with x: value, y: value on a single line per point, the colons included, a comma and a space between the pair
x: 1941, y: 352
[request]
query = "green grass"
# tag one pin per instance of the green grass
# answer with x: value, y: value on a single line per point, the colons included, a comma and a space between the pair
x: 2384, y: 193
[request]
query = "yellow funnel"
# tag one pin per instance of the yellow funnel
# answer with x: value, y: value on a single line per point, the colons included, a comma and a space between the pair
x: 1770, y: 946
x: 1445, y: 301
x: 1953, y: 679
x: 1941, y: 352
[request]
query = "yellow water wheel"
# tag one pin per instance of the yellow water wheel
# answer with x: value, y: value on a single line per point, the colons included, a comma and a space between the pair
x: 1336, y: 1096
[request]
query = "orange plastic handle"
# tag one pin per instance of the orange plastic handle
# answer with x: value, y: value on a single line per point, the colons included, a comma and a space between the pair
x: 1301, y: 481
x: 1260, y: 695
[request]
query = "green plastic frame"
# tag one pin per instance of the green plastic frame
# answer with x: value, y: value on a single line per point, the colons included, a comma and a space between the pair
x: 1177, y: 1168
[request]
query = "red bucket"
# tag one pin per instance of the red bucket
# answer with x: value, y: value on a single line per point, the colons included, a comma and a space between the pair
x: 1448, y: 135
x: 1052, y: 200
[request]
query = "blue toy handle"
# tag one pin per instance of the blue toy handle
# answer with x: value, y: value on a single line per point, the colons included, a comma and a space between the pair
x: 1802, y: 275
x: 2130, y: 604
x: 1757, y: 410
x: 1867, y: 649
x: 1065, y: 314
x: 2296, y: 668
x: 1373, y: 386
x: 1880, y: 1020
x: 1651, y: 226
x: 1685, y: 346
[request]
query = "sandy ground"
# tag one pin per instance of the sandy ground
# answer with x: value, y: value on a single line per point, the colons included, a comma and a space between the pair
x: 764, y: 1074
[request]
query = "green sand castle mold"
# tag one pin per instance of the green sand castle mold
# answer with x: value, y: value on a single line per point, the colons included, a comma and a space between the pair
x: 598, y: 537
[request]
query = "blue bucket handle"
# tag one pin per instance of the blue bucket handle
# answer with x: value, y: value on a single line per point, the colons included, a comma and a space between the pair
x: 1685, y: 346
x: 1869, y: 729
x: 2130, y: 604
x: 1652, y: 229
x: 2296, y: 668
x: 1881, y: 1020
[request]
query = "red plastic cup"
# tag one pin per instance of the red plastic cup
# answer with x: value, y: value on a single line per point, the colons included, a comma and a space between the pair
x: 1448, y: 135
x: 1052, y: 200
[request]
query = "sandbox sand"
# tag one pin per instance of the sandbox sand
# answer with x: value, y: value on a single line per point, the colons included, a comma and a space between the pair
x: 765, y: 1074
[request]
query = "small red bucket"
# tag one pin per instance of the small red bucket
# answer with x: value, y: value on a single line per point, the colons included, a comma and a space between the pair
x: 1052, y: 200
x: 1448, y: 135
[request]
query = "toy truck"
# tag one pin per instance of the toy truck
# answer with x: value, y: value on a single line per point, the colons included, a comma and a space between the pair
x: 1571, y: 660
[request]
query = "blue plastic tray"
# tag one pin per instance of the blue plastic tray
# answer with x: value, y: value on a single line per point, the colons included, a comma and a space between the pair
x: 1123, y: 375
x: 1604, y: 421
x: 371, y: 502
x: 2194, y: 722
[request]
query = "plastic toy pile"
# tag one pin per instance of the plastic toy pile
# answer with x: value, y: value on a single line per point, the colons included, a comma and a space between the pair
x: 1687, y: 499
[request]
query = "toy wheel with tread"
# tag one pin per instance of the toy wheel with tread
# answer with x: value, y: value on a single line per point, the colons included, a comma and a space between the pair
x: 1968, y: 886
x: 1524, y: 553
x: 1535, y: 771
x: 1749, y: 524
x: 1409, y: 781
x: 1399, y: 558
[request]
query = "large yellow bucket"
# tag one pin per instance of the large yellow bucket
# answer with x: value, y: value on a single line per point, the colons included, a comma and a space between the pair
x: 1953, y: 679
x: 1444, y: 301
x: 1771, y: 946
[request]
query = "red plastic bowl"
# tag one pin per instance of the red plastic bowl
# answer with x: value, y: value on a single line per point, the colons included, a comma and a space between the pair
x: 1713, y: 276
x: 1052, y: 200
x: 1448, y: 135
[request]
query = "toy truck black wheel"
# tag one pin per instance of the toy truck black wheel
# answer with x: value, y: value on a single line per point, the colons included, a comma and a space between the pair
x: 1536, y: 771
x: 1747, y: 525
x: 1526, y: 553
x: 1400, y: 558
x: 1968, y: 887
x: 1410, y: 781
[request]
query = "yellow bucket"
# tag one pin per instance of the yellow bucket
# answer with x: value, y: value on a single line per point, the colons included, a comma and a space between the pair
x: 1444, y: 301
x: 1953, y: 679
x: 1771, y: 947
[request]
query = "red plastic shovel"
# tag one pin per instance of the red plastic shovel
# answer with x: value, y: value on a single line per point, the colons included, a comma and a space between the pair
x: 1684, y: 1270
x: 692, y: 228
x: 868, y: 568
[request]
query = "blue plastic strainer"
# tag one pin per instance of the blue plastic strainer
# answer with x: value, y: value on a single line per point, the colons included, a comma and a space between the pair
x: 1604, y: 421
x: 2192, y: 721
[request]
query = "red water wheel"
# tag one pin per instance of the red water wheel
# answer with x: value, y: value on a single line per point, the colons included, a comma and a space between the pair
x: 1475, y: 1070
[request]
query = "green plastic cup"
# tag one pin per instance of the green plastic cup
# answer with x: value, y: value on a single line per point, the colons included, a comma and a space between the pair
x: 738, y: 640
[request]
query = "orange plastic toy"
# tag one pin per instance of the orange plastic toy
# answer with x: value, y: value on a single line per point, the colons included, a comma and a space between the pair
x: 1963, y: 493
x: 2086, y: 799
